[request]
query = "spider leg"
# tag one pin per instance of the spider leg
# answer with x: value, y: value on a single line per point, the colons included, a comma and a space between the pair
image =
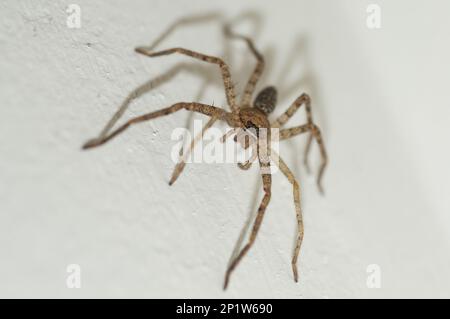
x: 193, y: 19
x: 248, y: 163
x: 296, y: 190
x: 282, y: 119
x: 182, y: 163
x: 287, y: 133
x: 293, y: 131
x: 205, y: 109
x: 302, y: 99
x: 254, y: 77
x: 314, y: 133
x: 229, y: 88
x: 264, y: 162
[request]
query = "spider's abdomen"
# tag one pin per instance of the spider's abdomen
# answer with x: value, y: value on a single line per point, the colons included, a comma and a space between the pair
x: 266, y: 100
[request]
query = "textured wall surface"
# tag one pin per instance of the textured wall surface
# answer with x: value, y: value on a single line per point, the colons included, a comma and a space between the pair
x: 380, y: 96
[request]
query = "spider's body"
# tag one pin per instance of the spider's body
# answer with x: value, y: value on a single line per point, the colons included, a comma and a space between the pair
x: 251, y: 117
x: 243, y: 116
x: 256, y: 116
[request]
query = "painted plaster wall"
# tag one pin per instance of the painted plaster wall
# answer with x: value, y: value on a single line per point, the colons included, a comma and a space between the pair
x: 380, y: 97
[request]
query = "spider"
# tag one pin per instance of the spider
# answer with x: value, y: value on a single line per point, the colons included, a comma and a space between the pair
x: 244, y: 116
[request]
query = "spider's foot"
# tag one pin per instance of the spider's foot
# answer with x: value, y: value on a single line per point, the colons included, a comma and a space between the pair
x: 225, y: 283
x: 295, y: 271
x: 92, y: 143
x: 172, y: 179
x: 145, y: 51
x: 141, y: 50
x: 176, y: 172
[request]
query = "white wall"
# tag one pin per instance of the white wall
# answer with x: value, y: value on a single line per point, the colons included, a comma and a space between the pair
x: 380, y: 97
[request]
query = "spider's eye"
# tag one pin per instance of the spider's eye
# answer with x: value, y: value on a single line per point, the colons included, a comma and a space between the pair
x: 266, y: 99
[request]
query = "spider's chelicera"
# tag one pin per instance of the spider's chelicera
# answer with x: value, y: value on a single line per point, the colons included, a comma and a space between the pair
x: 243, y: 116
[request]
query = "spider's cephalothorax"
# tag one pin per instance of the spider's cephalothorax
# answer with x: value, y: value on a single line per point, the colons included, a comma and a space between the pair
x: 266, y: 99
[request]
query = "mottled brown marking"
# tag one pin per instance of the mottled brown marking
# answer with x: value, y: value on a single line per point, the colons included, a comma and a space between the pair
x: 266, y: 100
